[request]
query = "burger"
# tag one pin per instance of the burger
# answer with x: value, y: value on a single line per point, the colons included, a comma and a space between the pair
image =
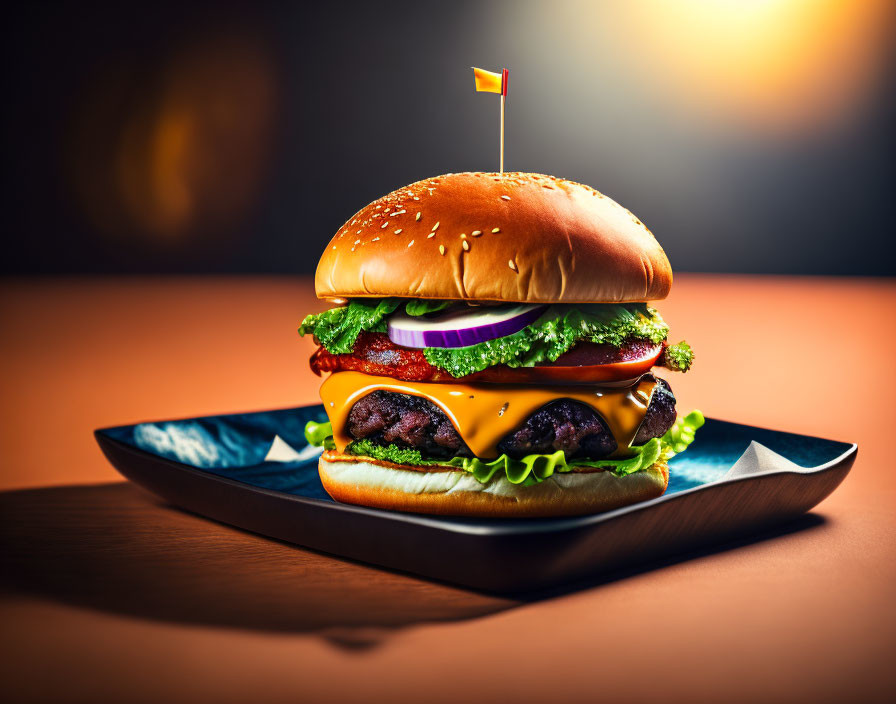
x: 490, y: 352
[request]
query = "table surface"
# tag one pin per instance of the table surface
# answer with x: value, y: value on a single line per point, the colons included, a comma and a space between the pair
x: 108, y: 594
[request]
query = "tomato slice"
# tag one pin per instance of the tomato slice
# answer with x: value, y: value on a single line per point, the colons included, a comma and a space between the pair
x: 582, y: 374
x: 586, y: 363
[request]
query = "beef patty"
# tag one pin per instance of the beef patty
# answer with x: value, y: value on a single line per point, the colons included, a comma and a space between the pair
x: 388, y: 418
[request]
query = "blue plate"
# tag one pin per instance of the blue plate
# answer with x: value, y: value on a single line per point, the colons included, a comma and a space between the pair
x: 215, y: 466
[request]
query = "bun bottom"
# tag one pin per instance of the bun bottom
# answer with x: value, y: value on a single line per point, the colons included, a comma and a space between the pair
x: 452, y: 492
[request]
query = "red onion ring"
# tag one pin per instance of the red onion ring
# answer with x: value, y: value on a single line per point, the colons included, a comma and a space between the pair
x: 461, y: 328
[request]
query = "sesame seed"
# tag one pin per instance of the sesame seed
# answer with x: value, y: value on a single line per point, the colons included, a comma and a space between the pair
x: 410, y: 243
x: 435, y: 227
x: 398, y: 231
x: 375, y: 239
x: 496, y: 230
x: 378, y: 207
x: 419, y: 215
x: 463, y: 235
x: 384, y: 225
x: 505, y: 197
x: 466, y: 246
x: 511, y: 264
x: 416, y: 197
x: 442, y: 249
x: 399, y: 212
x: 334, y: 246
x: 476, y: 233
x: 430, y: 235
x: 357, y: 241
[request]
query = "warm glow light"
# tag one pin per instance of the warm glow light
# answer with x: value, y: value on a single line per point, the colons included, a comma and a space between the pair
x: 153, y: 172
x: 169, y: 178
x: 780, y: 63
x: 774, y: 65
x: 187, y: 154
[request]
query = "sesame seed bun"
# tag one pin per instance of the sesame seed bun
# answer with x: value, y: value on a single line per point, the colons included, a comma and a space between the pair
x: 484, y: 236
x: 454, y: 492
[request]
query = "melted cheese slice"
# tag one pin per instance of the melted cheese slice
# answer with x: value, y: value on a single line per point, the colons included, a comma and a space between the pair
x: 484, y: 413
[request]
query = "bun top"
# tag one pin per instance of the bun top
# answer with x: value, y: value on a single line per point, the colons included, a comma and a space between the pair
x: 495, y: 237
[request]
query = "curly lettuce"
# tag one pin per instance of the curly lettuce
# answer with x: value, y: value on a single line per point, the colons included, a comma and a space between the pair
x: 679, y: 358
x: 337, y: 329
x: 422, y: 306
x: 320, y: 434
x: 555, y: 332
x: 531, y: 469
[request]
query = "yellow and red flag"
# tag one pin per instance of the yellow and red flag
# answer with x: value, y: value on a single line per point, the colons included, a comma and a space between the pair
x: 490, y: 82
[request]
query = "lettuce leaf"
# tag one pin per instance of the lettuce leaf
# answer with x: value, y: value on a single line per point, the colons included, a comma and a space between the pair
x: 531, y: 469
x: 320, y: 434
x: 680, y: 357
x: 337, y: 329
x: 420, y: 306
x: 557, y: 331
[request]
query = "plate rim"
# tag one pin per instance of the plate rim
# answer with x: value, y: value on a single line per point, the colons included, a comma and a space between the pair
x: 495, y: 526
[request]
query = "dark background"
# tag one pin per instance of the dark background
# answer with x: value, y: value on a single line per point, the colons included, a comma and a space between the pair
x: 151, y: 137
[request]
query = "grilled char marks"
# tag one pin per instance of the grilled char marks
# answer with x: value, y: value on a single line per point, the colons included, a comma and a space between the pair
x: 562, y: 425
x: 389, y: 418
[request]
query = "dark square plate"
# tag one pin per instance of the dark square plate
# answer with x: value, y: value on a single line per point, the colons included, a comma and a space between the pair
x: 215, y: 466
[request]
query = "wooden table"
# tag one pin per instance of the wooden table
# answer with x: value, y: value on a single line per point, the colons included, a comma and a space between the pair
x: 109, y: 595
